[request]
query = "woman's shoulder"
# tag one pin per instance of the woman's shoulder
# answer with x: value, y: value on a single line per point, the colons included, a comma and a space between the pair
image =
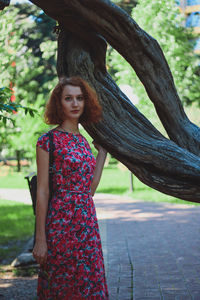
x: 43, y: 141
x: 44, y: 136
x: 86, y: 143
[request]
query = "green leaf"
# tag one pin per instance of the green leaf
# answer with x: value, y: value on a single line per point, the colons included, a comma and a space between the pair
x: 31, y: 113
x: 4, y: 120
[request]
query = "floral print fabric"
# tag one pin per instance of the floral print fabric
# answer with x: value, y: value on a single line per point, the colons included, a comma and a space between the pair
x: 75, y: 266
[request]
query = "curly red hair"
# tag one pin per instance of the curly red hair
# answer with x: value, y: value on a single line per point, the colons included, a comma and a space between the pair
x: 54, y: 114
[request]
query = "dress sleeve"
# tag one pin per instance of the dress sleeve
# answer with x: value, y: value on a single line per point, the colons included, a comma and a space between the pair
x: 87, y: 145
x: 43, y: 142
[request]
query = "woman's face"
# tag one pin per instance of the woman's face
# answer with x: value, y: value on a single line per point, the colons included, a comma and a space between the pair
x: 72, y: 102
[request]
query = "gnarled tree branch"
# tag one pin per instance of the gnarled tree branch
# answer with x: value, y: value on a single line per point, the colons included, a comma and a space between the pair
x: 124, y: 132
x: 140, y: 50
x: 4, y: 3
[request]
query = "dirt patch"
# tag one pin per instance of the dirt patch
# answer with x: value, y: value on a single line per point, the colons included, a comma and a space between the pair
x: 14, y: 287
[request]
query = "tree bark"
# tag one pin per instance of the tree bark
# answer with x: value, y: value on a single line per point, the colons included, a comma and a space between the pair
x: 142, y: 52
x: 124, y: 131
x: 18, y: 156
x: 170, y: 166
x: 4, y: 3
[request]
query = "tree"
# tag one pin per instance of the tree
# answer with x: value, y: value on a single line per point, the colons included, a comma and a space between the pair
x: 10, y: 45
x: 164, y: 22
x: 127, y: 5
x: 37, y: 31
x: 24, y: 135
x: 171, y: 166
x: 26, y: 69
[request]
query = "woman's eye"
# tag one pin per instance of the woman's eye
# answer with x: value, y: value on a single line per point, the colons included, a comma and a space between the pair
x: 80, y: 98
x: 67, y: 98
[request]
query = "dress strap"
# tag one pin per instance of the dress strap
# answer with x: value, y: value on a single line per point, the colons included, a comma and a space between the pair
x: 51, y: 147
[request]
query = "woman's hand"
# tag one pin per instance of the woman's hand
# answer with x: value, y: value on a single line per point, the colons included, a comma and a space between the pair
x: 40, y: 252
x: 99, y: 147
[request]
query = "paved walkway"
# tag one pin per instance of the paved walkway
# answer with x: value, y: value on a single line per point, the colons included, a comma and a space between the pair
x: 151, y: 250
x: 19, y: 195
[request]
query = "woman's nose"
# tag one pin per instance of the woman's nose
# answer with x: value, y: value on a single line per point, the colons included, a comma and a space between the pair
x: 75, y: 102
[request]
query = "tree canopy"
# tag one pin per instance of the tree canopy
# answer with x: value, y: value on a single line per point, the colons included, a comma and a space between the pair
x: 164, y: 22
x: 10, y: 46
x: 28, y: 74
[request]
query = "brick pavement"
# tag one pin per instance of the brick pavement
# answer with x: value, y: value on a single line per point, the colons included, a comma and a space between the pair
x: 152, y: 250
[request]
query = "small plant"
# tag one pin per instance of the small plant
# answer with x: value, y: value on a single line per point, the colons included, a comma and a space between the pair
x: 7, y: 107
x: 25, y: 271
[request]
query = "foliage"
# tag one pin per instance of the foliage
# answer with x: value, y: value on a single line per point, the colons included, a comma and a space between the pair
x: 163, y: 20
x: 6, y: 105
x: 24, y: 135
x: 10, y: 45
x: 7, y: 63
x: 39, y: 75
x: 25, y: 271
x: 127, y: 5
x: 30, y: 71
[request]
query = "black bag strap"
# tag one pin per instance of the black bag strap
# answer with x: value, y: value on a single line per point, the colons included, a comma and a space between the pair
x: 51, y: 147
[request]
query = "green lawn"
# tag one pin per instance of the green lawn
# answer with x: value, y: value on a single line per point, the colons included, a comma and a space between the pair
x: 117, y: 181
x: 17, y: 225
x: 14, y: 181
x: 114, y: 181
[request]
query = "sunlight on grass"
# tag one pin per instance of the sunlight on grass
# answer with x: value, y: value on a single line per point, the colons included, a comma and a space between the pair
x: 117, y: 181
x: 13, y: 181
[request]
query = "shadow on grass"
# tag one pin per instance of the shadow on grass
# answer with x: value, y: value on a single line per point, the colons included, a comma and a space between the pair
x: 17, y: 225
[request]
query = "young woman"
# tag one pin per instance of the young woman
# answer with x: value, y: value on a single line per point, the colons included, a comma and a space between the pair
x: 68, y: 245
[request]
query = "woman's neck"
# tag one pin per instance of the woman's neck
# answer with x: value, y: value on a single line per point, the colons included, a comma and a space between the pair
x: 70, y: 126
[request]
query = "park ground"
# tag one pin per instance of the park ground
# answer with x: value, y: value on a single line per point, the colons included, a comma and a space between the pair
x: 151, y: 249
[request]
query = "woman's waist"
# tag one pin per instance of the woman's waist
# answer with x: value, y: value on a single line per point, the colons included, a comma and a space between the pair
x: 64, y: 189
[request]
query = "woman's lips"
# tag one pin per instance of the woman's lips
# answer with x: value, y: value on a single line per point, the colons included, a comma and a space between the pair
x: 75, y: 111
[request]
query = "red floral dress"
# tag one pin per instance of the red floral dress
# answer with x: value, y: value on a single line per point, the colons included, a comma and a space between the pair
x: 75, y: 266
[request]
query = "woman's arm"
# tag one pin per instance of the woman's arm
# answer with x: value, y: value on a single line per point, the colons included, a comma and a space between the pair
x: 40, y: 247
x: 100, y: 160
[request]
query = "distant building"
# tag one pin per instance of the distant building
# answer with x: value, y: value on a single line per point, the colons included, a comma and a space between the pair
x: 191, y: 9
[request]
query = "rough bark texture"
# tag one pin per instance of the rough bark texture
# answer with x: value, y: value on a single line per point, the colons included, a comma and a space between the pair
x: 125, y: 132
x: 170, y: 166
x: 4, y: 3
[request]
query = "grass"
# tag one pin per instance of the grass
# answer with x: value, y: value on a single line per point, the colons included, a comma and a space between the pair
x: 10, y: 178
x: 117, y: 181
x: 17, y: 225
x: 27, y: 271
x: 14, y: 181
x: 113, y: 181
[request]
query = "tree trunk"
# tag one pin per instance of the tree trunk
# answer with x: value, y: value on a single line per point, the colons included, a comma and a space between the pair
x: 170, y: 166
x: 4, y: 3
x: 84, y: 18
x: 18, y: 156
x: 124, y: 131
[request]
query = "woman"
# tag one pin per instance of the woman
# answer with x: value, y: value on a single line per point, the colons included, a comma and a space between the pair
x: 68, y: 245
